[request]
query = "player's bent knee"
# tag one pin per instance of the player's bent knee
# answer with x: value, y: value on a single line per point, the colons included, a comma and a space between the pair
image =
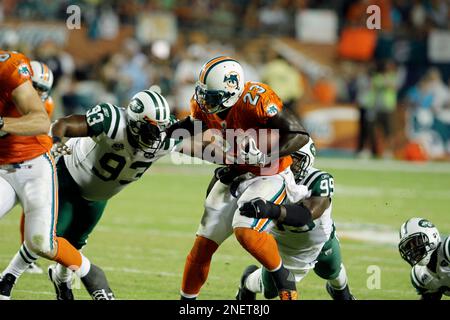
x: 250, y: 239
x: 40, y: 245
x: 202, y: 250
x: 328, y: 272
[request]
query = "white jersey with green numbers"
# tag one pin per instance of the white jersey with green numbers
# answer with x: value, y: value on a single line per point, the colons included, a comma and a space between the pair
x: 315, y: 234
x: 432, y: 280
x: 105, y: 162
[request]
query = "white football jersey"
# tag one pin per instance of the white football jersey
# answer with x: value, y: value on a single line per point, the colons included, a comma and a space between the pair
x: 320, y: 184
x: 431, y: 280
x: 105, y: 162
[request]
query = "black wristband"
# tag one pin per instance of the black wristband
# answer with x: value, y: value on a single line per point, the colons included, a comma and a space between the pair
x: 56, y: 139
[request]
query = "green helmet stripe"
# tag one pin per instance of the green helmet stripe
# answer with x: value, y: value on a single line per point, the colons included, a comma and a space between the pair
x: 157, y: 105
x: 163, y: 104
x: 446, y: 248
x: 116, y: 122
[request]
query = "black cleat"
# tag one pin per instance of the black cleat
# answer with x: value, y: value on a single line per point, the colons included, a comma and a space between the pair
x: 343, y: 294
x: 63, y: 289
x: 6, y: 284
x: 243, y: 293
x: 97, y: 284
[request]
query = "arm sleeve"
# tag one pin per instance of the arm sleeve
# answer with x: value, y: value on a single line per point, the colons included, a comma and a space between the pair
x: 268, y: 105
x: 103, y: 119
x: 297, y: 215
x: 15, y: 69
x: 416, y: 282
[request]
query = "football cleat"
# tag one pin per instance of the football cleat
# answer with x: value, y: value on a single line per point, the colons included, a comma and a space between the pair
x: 6, y: 284
x: 97, y: 284
x: 34, y: 269
x: 288, y: 294
x: 243, y: 293
x: 343, y: 294
x: 63, y: 289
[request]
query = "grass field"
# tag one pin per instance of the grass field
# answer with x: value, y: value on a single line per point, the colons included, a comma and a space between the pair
x: 148, y: 229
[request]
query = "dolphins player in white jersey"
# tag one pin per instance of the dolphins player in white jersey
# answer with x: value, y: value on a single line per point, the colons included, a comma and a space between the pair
x: 421, y: 246
x: 305, y: 233
x: 110, y: 148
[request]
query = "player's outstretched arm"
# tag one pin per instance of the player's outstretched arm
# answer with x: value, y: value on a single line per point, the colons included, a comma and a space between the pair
x: 71, y: 126
x: 292, y: 134
x: 296, y: 215
x: 34, y: 119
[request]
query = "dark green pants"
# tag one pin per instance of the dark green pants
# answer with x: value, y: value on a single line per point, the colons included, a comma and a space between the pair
x: 77, y: 217
x: 327, y: 267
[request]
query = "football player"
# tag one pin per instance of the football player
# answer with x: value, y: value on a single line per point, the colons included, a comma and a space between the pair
x: 28, y: 176
x: 422, y: 247
x: 42, y: 80
x: 223, y: 101
x: 305, y: 233
x: 113, y: 148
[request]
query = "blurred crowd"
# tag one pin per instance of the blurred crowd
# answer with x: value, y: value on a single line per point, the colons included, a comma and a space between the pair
x: 244, y: 29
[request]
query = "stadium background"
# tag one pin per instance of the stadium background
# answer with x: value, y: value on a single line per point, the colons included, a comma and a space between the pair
x: 327, y: 66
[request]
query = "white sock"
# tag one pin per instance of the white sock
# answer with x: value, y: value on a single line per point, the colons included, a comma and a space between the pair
x: 254, y: 281
x: 340, y: 282
x: 85, y: 266
x: 21, y: 261
x: 63, y: 274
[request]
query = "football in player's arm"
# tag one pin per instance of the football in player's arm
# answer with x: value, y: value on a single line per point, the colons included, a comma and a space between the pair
x: 224, y: 103
x: 296, y: 229
x: 423, y: 248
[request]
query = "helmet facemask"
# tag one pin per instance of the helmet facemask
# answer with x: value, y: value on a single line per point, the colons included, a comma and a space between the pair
x: 43, y: 91
x: 148, y: 116
x: 300, y: 165
x: 146, y: 135
x: 211, y: 101
x: 415, y: 248
x: 302, y: 160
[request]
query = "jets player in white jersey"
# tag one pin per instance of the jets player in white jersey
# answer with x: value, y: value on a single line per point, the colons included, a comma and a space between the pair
x: 305, y: 233
x: 110, y: 148
x: 422, y: 247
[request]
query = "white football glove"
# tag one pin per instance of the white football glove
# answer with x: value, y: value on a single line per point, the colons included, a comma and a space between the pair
x: 60, y: 149
x: 250, y: 154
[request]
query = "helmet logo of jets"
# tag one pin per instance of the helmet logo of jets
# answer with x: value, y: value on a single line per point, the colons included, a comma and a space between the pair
x: 426, y: 224
x: 312, y: 148
x: 232, y: 80
x: 136, y: 106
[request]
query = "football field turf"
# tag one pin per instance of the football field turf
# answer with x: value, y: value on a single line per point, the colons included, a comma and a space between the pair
x: 148, y: 229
